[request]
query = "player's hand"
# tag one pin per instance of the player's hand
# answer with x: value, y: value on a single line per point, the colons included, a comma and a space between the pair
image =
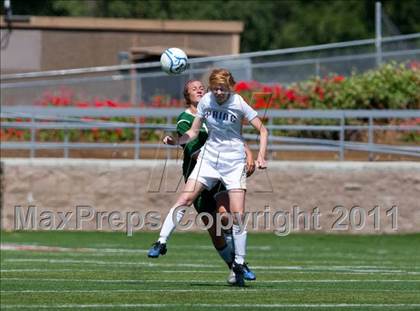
x: 261, y: 162
x: 250, y: 167
x: 169, y: 140
x: 194, y: 156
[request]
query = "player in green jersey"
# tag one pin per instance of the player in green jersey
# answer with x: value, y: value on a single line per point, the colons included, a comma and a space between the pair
x: 210, y: 201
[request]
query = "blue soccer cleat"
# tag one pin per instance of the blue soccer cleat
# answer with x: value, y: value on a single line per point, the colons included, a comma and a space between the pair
x: 157, y: 249
x: 248, y: 274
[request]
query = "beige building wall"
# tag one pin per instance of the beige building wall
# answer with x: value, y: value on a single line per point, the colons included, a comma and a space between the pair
x: 49, y: 43
x: 23, y: 52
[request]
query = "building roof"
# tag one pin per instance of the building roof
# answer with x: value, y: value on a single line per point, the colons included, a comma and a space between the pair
x: 123, y: 24
x: 138, y: 53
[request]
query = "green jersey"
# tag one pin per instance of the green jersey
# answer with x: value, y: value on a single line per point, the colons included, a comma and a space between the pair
x: 205, y: 202
x: 183, y: 124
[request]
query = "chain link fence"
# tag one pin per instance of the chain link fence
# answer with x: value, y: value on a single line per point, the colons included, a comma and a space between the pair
x: 139, y: 85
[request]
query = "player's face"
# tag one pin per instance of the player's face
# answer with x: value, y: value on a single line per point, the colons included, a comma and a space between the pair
x: 221, y: 93
x: 195, y: 91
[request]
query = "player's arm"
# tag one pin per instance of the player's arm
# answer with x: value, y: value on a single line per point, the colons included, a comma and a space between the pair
x: 250, y: 163
x: 189, y: 135
x: 182, y: 127
x: 192, y: 133
x: 262, y: 153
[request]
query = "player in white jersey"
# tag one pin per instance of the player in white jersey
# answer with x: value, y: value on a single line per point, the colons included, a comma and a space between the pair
x: 210, y: 202
x: 223, y: 156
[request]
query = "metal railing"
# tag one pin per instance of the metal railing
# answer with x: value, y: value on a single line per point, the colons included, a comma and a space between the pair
x: 73, y: 118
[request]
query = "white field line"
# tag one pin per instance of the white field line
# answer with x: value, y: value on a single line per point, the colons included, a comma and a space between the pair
x: 316, y: 267
x: 110, y: 263
x: 106, y: 248
x: 226, y: 306
x: 355, y: 269
x: 102, y: 271
x: 41, y: 248
x: 202, y: 271
x: 35, y: 247
x: 203, y: 281
x: 106, y: 291
x: 209, y: 247
x: 99, y: 251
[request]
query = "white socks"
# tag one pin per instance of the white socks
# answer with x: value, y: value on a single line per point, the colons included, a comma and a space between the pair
x: 239, y: 239
x: 169, y: 225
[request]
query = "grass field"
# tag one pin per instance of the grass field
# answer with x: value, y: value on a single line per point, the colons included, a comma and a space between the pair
x: 93, y: 271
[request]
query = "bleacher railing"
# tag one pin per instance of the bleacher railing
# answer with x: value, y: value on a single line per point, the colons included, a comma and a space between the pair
x: 75, y: 118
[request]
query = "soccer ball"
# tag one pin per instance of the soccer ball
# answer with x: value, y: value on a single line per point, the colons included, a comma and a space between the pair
x: 174, y: 61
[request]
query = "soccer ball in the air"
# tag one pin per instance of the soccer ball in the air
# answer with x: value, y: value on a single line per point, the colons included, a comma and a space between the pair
x: 173, y: 61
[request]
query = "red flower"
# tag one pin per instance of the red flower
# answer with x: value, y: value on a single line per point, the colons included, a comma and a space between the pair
x: 242, y: 86
x: 320, y: 91
x: 267, y: 89
x: 65, y: 101
x: 415, y: 65
x: 277, y: 89
x: 260, y: 103
x: 261, y: 100
x: 56, y: 101
x: 19, y: 133
x: 123, y: 105
x: 82, y: 104
x: 111, y: 103
x: 338, y: 79
x: 290, y: 94
x: 303, y: 102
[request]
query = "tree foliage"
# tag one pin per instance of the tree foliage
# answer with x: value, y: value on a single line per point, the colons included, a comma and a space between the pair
x: 268, y: 24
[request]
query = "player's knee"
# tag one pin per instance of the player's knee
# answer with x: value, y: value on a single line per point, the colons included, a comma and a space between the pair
x: 225, y: 219
x: 185, y: 201
x: 205, y: 219
x: 238, y: 218
x: 179, y: 209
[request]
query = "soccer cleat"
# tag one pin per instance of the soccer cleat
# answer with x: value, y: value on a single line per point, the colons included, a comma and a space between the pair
x: 238, y: 269
x: 231, y: 277
x: 248, y: 274
x: 157, y: 249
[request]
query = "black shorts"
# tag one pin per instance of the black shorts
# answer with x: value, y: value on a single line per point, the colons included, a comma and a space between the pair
x: 206, y: 202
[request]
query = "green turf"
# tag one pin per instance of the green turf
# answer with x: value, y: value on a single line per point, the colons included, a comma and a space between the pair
x: 297, y: 272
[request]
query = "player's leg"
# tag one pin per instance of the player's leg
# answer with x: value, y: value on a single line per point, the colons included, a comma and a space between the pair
x: 233, y: 175
x: 226, y: 219
x: 222, y: 202
x: 237, y: 203
x: 206, y: 203
x: 225, y: 228
x: 190, y: 192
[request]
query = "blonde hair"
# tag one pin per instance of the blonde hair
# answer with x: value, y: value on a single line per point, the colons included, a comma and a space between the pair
x: 221, y: 76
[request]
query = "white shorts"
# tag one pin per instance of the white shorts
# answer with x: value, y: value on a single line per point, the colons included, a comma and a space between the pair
x: 232, y: 173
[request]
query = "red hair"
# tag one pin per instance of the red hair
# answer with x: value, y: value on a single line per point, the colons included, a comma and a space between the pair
x: 221, y: 76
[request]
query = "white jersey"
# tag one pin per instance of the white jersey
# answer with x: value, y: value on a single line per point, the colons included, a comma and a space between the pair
x: 224, y: 122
